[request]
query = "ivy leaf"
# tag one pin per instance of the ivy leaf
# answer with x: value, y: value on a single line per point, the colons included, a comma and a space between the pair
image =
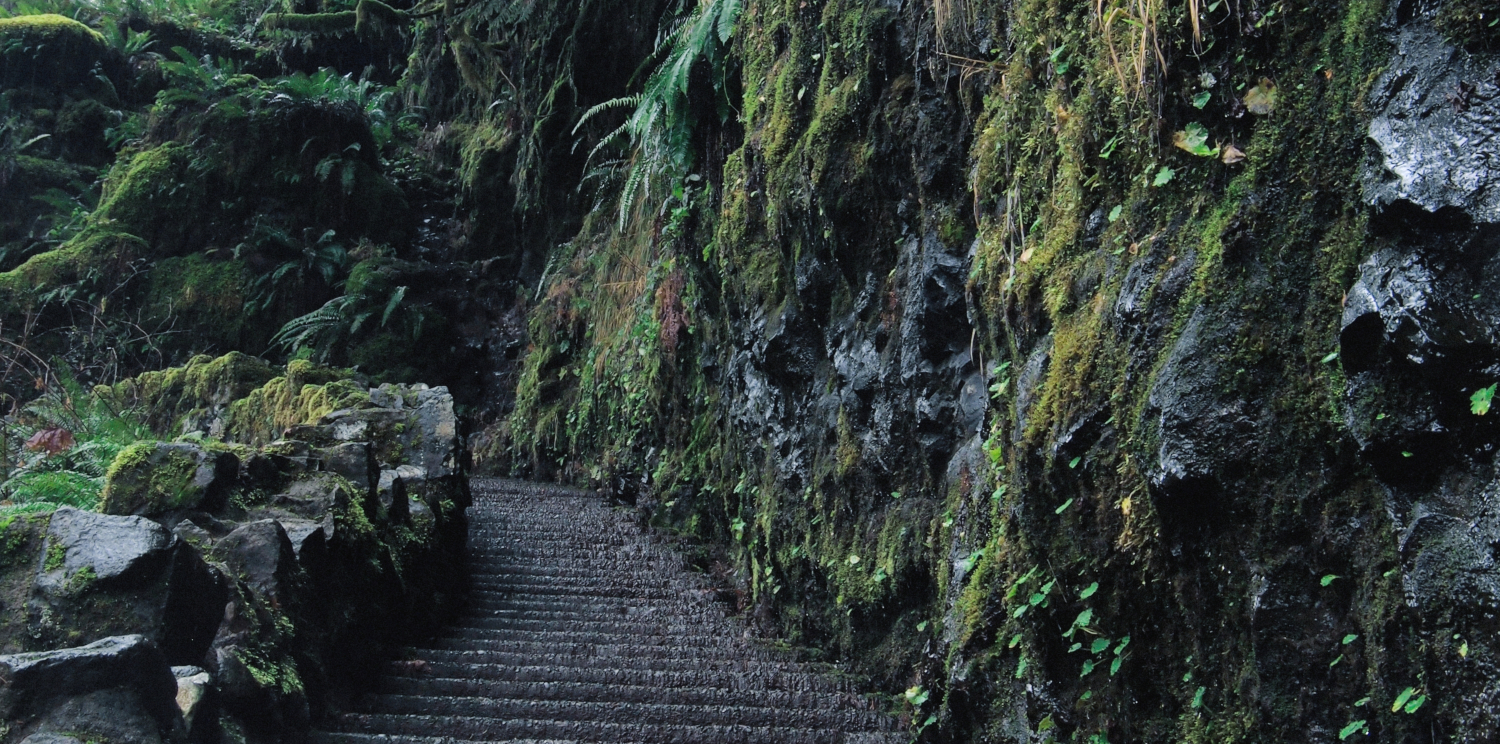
x: 1163, y: 176
x: 1261, y: 100
x: 1480, y: 401
x: 1329, y: 579
x: 1089, y: 590
x: 1402, y: 698
x: 1201, y: 100
x: 1352, y: 637
x: 1194, y: 139
x: 1099, y: 645
x: 1353, y: 728
x: 1114, y: 214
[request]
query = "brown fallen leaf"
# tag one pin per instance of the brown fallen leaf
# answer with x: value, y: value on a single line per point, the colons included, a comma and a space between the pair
x: 1261, y: 100
x: 51, y: 441
x: 1026, y: 255
x: 1232, y: 155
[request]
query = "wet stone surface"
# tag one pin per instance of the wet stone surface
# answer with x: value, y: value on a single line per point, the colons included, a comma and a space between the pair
x: 581, y: 627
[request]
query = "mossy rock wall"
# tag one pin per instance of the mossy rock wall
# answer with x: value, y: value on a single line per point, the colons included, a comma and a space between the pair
x: 1000, y: 354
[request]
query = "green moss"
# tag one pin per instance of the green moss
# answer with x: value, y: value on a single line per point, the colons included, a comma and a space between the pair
x: 56, y: 554
x: 147, y: 193
x: 310, y: 23
x: 47, y: 49
x: 94, y: 254
x: 286, y: 401
x: 188, y: 393
x: 206, y: 294
x: 148, y: 478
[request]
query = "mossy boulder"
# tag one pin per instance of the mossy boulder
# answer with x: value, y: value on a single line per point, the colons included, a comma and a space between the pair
x: 48, y: 50
x: 149, y: 193
x: 97, y: 252
x: 207, y: 295
x: 154, y: 478
x: 190, y: 397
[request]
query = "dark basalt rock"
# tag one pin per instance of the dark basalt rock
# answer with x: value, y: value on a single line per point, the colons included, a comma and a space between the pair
x: 118, y: 688
x: 1205, y: 432
x: 353, y: 460
x: 261, y: 554
x: 106, y: 575
x: 116, y: 550
x: 1439, y: 115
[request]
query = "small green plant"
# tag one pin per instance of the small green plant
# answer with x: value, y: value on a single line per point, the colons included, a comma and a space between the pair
x: 59, y: 447
x: 1480, y: 401
x: 56, y: 554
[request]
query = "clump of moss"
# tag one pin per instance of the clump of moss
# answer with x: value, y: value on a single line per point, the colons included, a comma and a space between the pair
x: 305, y: 394
x: 188, y: 394
x: 151, y: 478
x: 97, y: 253
x: 148, y: 193
x: 47, y: 50
x: 207, y: 294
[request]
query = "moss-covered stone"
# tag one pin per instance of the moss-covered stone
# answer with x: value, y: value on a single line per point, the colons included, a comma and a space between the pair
x: 205, y: 294
x: 96, y: 254
x: 47, y: 50
x: 189, y: 397
x: 151, y: 478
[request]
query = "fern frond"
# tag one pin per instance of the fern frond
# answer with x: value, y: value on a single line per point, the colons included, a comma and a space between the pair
x: 612, y: 103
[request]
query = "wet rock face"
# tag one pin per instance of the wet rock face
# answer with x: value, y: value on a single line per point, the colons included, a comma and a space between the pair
x: 115, y: 689
x: 102, y: 574
x: 1205, y: 431
x: 1436, y: 132
x: 1421, y: 333
x: 900, y: 381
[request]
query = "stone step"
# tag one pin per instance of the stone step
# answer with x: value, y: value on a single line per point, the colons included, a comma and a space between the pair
x: 494, y: 729
x: 601, y: 693
x: 601, y: 651
x: 492, y: 634
x: 665, y: 662
x: 612, y: 675
x: 619, y: 712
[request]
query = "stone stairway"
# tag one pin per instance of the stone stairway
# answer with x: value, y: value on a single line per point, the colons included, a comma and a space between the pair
x: 580, y: 628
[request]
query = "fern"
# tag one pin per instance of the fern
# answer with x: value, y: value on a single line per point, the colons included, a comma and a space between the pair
x: 661, y: 122
x: 74, y: 476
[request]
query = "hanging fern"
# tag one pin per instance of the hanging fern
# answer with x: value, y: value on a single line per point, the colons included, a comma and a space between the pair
x: 661, y: 122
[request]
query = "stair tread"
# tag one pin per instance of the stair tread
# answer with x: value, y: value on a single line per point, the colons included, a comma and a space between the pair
x: 581, y: 626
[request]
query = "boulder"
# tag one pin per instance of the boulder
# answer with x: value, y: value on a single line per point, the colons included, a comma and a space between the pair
x: 107, y: 575
x: 353, y: 460
x: 99, y: 547
x: 152, y: 478
x: 116, y: 689
x: 261, y: 555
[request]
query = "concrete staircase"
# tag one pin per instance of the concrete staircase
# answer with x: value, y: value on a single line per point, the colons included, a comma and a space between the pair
x: 580, y: 628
